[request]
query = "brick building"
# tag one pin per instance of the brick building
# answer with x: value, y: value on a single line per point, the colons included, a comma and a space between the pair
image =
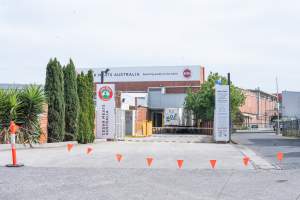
x: 259, y: 108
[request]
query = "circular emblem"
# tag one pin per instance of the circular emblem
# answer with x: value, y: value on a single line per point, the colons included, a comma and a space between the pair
x: 105, y: 93
x: 187, y: 73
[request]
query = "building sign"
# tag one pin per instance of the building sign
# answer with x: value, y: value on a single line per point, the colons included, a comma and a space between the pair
x: 105, y: 111
x: 187, y: 73
x: 221, y: 118
x: 140, y: 74
x: 171, y: 117
x: 105, y: 93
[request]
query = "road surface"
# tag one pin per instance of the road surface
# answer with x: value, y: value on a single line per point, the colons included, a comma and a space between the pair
x: 268, y: 144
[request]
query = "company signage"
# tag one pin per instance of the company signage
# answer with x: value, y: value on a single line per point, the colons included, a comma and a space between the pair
x: 105, y: 111
x: 140, y: 74
x: 221, y: 118
x: 171, y: 117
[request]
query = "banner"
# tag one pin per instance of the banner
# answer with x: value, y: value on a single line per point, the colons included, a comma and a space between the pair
x: 105, y: 111
x: 221, y: 118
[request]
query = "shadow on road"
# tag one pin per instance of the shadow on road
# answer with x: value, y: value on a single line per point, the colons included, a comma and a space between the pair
x: 276, y: 142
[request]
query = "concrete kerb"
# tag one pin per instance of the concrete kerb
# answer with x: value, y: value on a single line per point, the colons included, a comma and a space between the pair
x: 256, y: 161
x: 6, y: 147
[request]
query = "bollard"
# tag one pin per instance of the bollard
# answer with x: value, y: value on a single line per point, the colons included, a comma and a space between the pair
x: 12, y: 129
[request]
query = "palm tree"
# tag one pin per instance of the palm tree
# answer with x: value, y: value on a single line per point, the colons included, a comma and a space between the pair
x: 31, y: 100
x: 24, y: 107
x: 8, y: 105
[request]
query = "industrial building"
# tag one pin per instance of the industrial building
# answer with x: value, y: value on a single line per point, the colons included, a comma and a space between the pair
x: 259, y: 108
x: 156, y: 93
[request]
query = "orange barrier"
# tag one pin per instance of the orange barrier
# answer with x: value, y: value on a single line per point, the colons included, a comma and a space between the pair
x: 280, y: 156
x: 246, y: 160
x: 13, y: 129
x: 119, y: 157
x: 89, y: 150
x: 69, y: 147
x: 179, y: 163
x: 149, y: 161
x: 213, y: 163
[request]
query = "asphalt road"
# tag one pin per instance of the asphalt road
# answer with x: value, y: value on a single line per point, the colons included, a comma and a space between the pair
x: 35, y: 183
x: 268, y: 144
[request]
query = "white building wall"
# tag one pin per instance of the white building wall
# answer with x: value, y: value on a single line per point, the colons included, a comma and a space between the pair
x: 291, y: 104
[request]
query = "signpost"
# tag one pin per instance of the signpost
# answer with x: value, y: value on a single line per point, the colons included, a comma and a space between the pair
x: 222, y: 113
x: 105, y: 111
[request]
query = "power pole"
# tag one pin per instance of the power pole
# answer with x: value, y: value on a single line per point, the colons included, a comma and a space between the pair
x: 278, y: 123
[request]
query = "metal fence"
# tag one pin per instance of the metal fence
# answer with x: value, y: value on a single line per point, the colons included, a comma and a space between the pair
x: 291, y: 127
x: 120, y: 126
x: 182, y: 130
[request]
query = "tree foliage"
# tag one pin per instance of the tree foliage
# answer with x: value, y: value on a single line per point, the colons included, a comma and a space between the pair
x: 54, y: 89
x: 87, y: 109
x: 202, y: 103
x: 23, y: 106
x: 71, y: 102
x: 91, y: 105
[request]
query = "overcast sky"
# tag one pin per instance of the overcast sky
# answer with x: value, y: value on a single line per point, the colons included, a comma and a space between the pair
x: 255, y: 40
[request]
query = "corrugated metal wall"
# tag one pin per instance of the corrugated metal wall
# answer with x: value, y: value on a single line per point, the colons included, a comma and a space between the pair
x: 157, y: 100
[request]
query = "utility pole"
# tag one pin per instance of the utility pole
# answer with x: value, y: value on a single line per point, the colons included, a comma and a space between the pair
x: 230, y: 123
x: 278, y: 117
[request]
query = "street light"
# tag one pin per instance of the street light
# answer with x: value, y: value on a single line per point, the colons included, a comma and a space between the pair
x: 102, y: 74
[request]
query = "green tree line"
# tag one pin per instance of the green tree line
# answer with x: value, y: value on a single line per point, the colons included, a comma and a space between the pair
x: 71, y: 111
x: 202, y: 102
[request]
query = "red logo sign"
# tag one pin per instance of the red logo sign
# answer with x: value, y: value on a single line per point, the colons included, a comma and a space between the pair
x: 105, y: 93
x: 187, y: 73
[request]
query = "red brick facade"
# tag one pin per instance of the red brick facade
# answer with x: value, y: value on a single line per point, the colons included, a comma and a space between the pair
x: 44, y: 125
x: 259, y: 107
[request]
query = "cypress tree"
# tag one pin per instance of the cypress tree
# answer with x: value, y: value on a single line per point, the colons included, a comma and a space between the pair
x: 54, y: 89
x: 71, y: 102
x: 91, y: 105
x: 83, y: 122
x: 86, y: 122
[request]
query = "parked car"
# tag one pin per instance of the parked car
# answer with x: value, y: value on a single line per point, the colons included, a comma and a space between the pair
x: 254, y: 126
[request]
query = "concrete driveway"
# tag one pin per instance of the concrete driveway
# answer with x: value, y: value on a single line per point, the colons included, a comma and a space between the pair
x: 164, y: 154
x: 55, y: 173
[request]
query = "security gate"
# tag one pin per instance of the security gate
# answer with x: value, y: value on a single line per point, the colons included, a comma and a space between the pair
x: 120, y: 124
